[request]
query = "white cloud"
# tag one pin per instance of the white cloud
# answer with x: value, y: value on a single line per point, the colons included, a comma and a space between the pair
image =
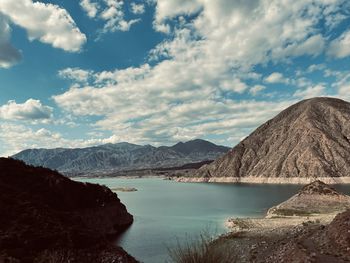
x: 167, y: 9
x: 313, y: 46
x: 47, y: 22
x: 311, y: 92
x: 112, y: 13
x: 276, y: 77
x: 89, y: 7
x: 340, y: 47
x: 255, y: 90
x: 9, y: 55
x: 344, y: 91
x: 235, y: 85
x: 315, y: 67
x: 76, y: 74
x: 137, y: 9
x: 31, y: 110
x: 16, y: 137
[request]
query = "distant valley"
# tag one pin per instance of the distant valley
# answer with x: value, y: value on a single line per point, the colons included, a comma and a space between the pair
x: 121, y: 157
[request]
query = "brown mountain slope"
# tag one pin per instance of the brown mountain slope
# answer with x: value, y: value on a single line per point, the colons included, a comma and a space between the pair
x: 46, y: 217
x: 310, y: 139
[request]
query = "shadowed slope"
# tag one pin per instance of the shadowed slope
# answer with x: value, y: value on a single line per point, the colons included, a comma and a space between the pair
x: 45, y: 215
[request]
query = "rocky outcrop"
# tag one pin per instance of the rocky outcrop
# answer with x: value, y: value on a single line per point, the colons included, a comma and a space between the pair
x: 314, y: 198
x: 314, y: 243
x: 310, y: 139
x: 121, y: 157
x: 46, y: 217
x: 311, y: 226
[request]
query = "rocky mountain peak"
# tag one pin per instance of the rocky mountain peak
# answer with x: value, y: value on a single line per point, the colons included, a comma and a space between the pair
x: 310, y: 139
x: 318, y: 187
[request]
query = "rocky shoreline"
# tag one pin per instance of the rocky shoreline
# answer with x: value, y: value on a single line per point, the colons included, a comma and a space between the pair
x: 262, y: 180
x: 307, y: 233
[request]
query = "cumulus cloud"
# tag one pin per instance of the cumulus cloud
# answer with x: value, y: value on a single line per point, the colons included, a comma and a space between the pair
x: 75, y: 74
x: 89, y: 7
x: 31, y: 110
x: 310, y: 92
x: 276, y: 77
x: 197, y: 74
x: 340, y: 47
x: 17, y: 137
x: 46, y: 22
x: 255, y: 90
x: 137, y: 9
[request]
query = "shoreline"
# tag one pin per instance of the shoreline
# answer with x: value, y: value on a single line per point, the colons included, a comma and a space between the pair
x: 255, y: 224
x: 263, y: 180
x: 121, y: 177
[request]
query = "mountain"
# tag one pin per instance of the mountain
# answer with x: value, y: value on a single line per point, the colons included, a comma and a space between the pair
x: 121, y: 156
x: 46, y: 217
x: 309, y: 140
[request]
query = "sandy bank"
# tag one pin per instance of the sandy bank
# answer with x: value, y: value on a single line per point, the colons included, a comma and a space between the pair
x: 264, y: 180
x: 266, y: 224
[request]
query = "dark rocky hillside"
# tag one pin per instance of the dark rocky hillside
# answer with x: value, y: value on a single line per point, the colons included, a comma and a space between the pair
x: 46, y: 217
x: 309, y: 139
x: 121, y: 157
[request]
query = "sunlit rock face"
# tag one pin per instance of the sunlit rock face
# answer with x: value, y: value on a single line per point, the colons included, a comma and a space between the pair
x: 310, y: 139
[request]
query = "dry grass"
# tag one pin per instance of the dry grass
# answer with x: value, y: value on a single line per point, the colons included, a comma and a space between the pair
x: 202, y: 249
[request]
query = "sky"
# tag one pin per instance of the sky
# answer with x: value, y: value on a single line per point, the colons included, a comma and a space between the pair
x: 88, y: 72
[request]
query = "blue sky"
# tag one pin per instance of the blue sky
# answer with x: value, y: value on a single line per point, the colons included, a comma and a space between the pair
x: 87, y: 72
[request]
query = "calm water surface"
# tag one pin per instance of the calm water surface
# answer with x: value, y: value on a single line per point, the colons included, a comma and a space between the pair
x: 167, y: 211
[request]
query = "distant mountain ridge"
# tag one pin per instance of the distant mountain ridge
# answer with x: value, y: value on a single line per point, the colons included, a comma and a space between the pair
x: 121, y: 156
x: 308, y: 140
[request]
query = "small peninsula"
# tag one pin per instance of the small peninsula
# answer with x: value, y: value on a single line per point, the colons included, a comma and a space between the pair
x: 311, y: 226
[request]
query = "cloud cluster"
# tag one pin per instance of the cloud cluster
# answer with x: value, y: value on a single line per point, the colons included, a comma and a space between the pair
x: 193, y: 86
x: 112, y: 13
x: 340, y: 47
x: 46, y: 22
x: 31, y: 110
x: 202, y: 80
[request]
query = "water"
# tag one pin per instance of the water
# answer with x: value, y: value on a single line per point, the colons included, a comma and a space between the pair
x: 167, y: 211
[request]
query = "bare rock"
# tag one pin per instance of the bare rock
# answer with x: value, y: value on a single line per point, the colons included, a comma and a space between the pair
x: 314, y: 198
x: 310, y: 139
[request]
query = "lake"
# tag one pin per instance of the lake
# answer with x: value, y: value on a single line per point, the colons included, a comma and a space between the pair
x: 166, y: 212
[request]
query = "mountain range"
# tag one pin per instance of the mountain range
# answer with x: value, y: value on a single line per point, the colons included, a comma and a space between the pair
x: 310, y: 139
x: 121, y: 156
